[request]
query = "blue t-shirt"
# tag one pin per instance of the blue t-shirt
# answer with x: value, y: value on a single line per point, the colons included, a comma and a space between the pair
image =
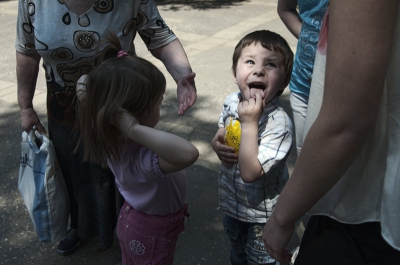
x: 311, y: 13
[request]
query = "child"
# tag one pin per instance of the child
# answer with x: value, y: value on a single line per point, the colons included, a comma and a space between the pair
x: 116, y: 118
x: 253, y: 141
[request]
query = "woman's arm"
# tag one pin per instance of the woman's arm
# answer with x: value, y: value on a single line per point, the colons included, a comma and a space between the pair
x: 288, y: 13
x: 27, y: 72
x: 175, y: 153
x: 355, y: 73
x: 175, y: 60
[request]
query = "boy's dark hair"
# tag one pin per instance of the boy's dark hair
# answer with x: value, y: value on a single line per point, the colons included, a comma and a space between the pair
x: 271, y: 41
x: 129, y: 82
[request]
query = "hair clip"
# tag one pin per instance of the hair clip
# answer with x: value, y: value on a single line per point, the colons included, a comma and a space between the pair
x: 122, y: 53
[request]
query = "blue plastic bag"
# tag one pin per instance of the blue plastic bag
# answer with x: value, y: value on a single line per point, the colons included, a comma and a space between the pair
x: 42, y: 187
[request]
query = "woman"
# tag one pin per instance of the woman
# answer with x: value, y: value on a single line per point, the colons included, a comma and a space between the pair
x: 66, y: 34
x: 347, y: 175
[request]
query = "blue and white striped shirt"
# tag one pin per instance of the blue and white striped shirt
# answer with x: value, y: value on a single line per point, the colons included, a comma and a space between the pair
x: 254, y: 202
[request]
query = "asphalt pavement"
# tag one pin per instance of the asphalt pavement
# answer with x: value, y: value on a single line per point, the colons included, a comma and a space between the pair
x: 208, y: 30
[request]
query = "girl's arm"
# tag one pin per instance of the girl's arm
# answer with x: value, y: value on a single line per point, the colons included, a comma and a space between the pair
x: 175, y: 153
x: 175, y: 60
x: 289, y: 16
x: 355, y: 75
x: 27, y: 73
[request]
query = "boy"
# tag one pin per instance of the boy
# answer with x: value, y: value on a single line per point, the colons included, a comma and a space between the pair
x: 253, y: 141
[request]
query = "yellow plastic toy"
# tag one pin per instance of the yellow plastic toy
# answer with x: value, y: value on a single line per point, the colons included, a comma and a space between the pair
x: 233, y: 134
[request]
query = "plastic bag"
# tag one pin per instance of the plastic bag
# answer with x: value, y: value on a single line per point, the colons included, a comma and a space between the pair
x: 42, y: 187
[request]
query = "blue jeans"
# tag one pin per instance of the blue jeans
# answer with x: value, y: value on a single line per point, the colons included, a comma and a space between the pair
x: 247, y: 246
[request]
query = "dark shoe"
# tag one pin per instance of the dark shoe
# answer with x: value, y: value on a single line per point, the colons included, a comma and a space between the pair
x: 67, y: 246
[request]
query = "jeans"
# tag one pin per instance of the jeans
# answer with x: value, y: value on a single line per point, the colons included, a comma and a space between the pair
x: 247, y: 246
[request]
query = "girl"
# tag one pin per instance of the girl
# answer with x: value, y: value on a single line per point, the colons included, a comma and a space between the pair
x: 117, y: 130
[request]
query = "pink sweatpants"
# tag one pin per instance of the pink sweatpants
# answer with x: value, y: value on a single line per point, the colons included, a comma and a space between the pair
x: 149, y: 239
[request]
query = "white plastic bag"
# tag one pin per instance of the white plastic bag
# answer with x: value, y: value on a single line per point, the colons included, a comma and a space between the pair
x: 42, y: 186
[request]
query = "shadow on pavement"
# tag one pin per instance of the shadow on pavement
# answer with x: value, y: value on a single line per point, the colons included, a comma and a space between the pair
x: 204, y: 240
x: 177, y: 5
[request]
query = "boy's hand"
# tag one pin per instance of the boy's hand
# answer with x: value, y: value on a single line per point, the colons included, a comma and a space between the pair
x: 123, y: 121
x: 225, y: 153
x: 250, y: 111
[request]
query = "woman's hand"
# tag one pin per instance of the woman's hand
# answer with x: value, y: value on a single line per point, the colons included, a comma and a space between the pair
x: 276, y: 238
x: 187, y: 93
x: 29, y: 119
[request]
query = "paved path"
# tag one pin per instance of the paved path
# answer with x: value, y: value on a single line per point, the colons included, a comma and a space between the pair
x: 209, y: 30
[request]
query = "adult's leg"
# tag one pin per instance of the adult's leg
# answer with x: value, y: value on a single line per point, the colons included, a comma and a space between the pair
x: 299, y: 105
x: 59, y: 136
x: 97, y: 200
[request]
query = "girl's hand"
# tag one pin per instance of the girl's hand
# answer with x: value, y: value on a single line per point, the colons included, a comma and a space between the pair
x: 123, y: 121
x: 81, y: 87
x: 250, y: 111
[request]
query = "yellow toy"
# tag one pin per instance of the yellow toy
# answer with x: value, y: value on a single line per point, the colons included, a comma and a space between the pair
x: 233, y: 134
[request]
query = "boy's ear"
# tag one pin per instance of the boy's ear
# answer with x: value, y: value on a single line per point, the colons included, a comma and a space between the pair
x: 234, y: 79
x: 285, y: 83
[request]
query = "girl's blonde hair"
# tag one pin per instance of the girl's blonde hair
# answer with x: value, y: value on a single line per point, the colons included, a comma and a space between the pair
x: 129, y: 82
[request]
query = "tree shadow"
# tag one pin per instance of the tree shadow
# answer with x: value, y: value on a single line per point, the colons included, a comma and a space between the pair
x: 176, y: 5
x: 204, y: 238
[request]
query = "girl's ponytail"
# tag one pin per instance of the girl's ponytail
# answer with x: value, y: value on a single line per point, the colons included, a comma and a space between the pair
x: 111, y: 47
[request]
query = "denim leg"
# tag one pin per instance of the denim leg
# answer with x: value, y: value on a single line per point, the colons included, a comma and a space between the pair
x: 238, y: 238
x: 256, y: 253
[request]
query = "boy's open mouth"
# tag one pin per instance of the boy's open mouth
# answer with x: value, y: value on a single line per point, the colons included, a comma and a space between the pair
x: 256, y: 88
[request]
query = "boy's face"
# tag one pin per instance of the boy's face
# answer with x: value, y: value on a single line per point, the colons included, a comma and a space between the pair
x: 259, y: 71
